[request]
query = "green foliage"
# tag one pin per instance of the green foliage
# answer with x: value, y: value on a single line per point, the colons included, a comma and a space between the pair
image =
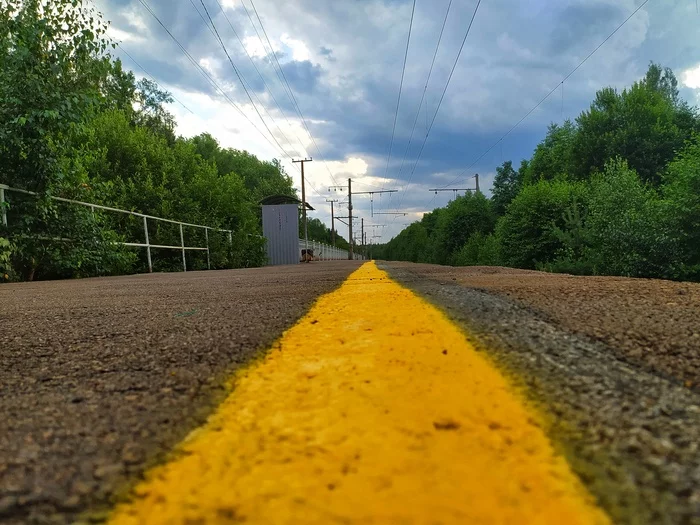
x: 74, y: 124
x: 645, y: 125
x: 506, y: 186
x: 527, y: 231
x: 321, y: 233
x: 412, y: 244
x: 552, y: 158
x: 6, y: 249
x: 439, y: 236
x: 480, y: 250
x: 261, y: 178
x: 53, y: 62
x: 464, y: 216
x: 623, y: 229
x: 628, y: 233
x: 682, y: 191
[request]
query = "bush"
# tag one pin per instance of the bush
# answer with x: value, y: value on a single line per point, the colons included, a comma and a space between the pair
x: 480, y: 250
x: 527, y: 232
x: 462, y: 217
x: 682, y: 192
x: 6, y: 249
x: 628, y: 227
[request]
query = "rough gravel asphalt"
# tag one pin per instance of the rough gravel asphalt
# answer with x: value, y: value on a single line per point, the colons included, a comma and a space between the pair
x: 610, y: 361
x: 101, y: 377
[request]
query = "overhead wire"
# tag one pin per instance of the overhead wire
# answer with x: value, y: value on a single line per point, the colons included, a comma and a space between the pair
x: 437, y: 109
x: 425, y: 90
x: 213, y: 83
x: 151, y: 76
x: 398, y: 101
x: 262, y: 79
x: 240, y: 78
x: 205, y: 74
x: 214, y: 34
x: 532, y: 110
x: 283, y: 79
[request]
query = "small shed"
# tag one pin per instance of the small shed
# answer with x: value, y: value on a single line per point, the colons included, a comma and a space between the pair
x: 280, y: 218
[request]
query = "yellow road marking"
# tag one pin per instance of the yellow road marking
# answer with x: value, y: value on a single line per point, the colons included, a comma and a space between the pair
x: 372, y: 409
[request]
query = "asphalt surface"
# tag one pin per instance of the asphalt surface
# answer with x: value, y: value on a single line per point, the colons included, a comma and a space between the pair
x: 101, y: 377
x: 612, y: 362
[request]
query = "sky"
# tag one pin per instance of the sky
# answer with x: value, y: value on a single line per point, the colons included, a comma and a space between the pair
x: 342, y: 61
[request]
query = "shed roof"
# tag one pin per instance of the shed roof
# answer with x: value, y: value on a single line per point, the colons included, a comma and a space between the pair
x: 273, y: 200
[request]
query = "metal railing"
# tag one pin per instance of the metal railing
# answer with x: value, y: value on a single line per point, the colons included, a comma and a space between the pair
x: 147, y: 244
x: 326, y: 252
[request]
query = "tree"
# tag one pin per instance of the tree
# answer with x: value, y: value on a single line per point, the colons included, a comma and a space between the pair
x: 464, y: 216
x: 54, y: 63
x: 527, y: 231
x: 506, y: 186
x: 552, y: 158
x: 262, y: 178
x: 682, y: 193
x: 151, y: 111
x: 645, y: 125
x: 626, y: 227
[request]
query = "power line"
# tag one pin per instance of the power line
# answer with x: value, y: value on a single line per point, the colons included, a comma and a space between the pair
x: 213, y: 83
x: 283, y: 79
x: 240, y: 79
x: 152, y: 77
x: 214, y: 34
x: 204, y: 73
x: 262, y: 79
x: 425, y: 90
x: 398, y: 101
x: 548, y: 94
x: 442, y: 97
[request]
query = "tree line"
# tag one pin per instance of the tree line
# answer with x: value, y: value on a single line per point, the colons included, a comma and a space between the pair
x: 614, y: 192
x: 75, y: 124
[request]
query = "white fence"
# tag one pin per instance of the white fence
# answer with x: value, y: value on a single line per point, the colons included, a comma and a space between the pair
x: 326, y: 252
x: 146, y: 244
x: 322, y: 252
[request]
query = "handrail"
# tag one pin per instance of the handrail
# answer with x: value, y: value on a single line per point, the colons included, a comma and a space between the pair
x: 146, y: 217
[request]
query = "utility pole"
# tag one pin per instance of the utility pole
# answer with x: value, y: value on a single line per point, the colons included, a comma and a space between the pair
x: 332, y: 220
x: 455, y: 190
x: 351, y: 254
x: 362, y: 235
x: 349, y: 217
x: 371, y: 197
x: 303, y: 202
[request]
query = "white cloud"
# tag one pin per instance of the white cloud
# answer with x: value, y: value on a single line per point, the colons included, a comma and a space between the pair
x: 691, y: 77
x: 254, y: 47
x: 123, y: 36
x: 299, y: 50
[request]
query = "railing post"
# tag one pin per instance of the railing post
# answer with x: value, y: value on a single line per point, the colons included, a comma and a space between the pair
x: 182, y: 243
x: 206, y: 233
x: 2, y: 206
x: 148, y: 245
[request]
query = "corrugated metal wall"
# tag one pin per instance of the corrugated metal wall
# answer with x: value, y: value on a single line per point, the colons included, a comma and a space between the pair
x: 281, y: 230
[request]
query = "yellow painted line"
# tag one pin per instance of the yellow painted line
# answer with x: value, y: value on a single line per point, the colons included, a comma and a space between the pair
x: 373, y: 408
